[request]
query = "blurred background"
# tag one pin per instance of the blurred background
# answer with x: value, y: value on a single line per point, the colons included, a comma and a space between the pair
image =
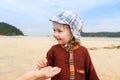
x: 32, y: 17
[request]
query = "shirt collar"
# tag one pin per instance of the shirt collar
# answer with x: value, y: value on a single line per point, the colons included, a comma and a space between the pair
x: 75, y: 47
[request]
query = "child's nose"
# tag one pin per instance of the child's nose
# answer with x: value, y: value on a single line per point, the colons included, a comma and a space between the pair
x: 55, y: 34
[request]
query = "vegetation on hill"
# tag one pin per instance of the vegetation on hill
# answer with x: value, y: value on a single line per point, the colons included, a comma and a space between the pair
x: 9, y: 30
x: 100, y: 34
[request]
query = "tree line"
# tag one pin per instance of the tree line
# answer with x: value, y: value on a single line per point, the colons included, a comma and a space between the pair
x: 100, y: 34
x: 9, y: 30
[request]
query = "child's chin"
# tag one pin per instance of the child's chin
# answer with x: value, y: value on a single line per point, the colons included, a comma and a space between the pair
x: 60, y: 43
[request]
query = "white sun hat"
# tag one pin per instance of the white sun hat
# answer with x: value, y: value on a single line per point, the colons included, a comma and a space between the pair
x: 72, y: 19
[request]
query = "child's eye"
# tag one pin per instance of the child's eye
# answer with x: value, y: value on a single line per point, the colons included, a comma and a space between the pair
x: 59, y: 31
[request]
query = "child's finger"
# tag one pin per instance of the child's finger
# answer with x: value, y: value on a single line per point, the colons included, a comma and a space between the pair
x: 41, y: 63
x: 39, y: 66
x: 44, y: 61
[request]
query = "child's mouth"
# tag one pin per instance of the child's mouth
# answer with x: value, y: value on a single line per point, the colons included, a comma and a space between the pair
x: 58, y: 39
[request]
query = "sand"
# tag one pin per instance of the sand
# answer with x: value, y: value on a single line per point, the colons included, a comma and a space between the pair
x: 20, y: 54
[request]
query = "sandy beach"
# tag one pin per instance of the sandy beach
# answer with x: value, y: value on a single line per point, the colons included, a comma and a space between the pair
x: 20, y: 54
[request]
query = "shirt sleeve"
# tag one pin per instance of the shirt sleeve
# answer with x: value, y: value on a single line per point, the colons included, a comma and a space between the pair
x: 50, y: 57
x: 90, y: 73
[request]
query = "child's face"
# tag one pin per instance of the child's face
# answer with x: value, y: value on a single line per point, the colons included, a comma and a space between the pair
x: 62, y: 33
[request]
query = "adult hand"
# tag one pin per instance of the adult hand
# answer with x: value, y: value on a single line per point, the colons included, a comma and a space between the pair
x: 48, y: 72
x: 42, y: 74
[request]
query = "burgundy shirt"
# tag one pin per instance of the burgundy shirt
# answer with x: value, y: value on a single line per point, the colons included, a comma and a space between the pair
x: 84, y: 69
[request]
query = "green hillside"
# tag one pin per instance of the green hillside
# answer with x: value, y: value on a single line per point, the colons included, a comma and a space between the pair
x: 9, y: 30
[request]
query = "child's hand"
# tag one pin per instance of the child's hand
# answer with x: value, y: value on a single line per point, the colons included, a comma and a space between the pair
x: 42, y: 63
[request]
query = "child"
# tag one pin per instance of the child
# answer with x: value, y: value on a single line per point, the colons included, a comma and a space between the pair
x: 69, y: 54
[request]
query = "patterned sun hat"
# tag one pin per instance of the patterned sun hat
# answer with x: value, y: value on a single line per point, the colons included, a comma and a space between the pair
x: 72, y: 19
